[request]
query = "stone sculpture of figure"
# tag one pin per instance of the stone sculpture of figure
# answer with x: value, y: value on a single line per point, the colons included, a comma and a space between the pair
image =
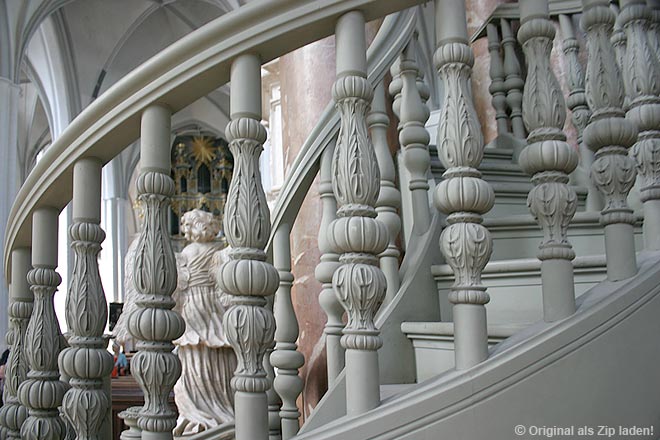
x: 203, y: 394
x: 120, y: 332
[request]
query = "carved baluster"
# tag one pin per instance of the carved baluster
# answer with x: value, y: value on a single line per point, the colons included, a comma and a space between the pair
x: 549, y: 160
x: 577, y: 102
x: 13, y: 414
x: 618, y: 40
x: 389, y: 198
x: 395, y: 88
x: 130, y: 417
x: 286, y: 358
x: 86, y: 361
x: 43, y: 390
x: 641, y: 74
x: 326, y: 269
x: 247, y: 277
x: 462, y: 195
x: 610, y: 135
x: 414, y: 139
x: 654, y: 27
x: 497, y: 89
x: 274, y: 401
x: 154, y: 325
x: 513, y: 82
x: 356, y: 234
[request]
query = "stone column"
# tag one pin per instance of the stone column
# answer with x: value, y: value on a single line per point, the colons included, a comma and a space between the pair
x: 356, y: 234
x: 13, y: 413
x: 86, y: 362
x: 286, y: 358
x: 42, y: 391
x: 154, y: 325
x: 549, y: 160
x: 325, y: 271
x: 414, y: 139
x: 641, y: 70
x: 389, y: 198
x: 497, y: 88
x: 247, y: 277
x: 577, y: 102
x: 610, y: 135
x: 462, y: 195
x: 10, y: 172
x: 513, y: 80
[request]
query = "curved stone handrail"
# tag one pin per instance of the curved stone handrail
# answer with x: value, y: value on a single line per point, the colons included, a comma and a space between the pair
x: 176, y: 77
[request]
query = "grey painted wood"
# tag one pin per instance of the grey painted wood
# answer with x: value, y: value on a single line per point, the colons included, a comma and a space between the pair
x: 610, y: 135
x: 42, y: 391
x: 154, y: 325
x: 21, y: 299
x: 548, y: 159
x: 463, y: 196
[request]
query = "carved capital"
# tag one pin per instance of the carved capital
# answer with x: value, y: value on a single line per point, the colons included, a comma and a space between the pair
x: 42, y: 391
x: 360, y: 288
x: 553, y: 204
x: 250, y: 328
x: 354, y: 165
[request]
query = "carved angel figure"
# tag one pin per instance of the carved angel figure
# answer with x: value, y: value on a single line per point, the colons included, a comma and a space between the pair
x: 203, y: 394
x: 120, y: 332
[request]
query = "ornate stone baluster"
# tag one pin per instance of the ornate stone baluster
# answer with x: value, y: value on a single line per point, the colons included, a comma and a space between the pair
x: 513, y: 83
x: 389, y: 198
x: 86, y: 361
x: 13, y: 414
x: 43, y: 390
x: 549, y: 160
x: 618, y: 40
x: 247, y: 276
x: 130, y: 417
x: 577, y: 102
x: 395, y: 88
x: 641, y: 74
x: 462, y: 195
x: 414, y: 139
x: 274, y: 401
x: 326, y: 269
x: 654, y: 27
x: 154, y: 325
x: 286, y: 358
x: 356, y: 234
x: 497, y: 89
x: 610, y: 135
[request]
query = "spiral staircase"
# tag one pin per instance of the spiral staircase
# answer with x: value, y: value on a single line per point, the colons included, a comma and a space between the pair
x: 478, y: 332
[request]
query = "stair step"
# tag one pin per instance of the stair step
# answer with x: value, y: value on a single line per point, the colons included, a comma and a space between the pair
x: 433, y: 343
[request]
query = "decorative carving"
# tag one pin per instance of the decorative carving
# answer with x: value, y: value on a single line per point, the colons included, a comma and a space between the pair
x: 203, y: 392
x: 42, y: 392
x: 577, y: 103
x: 86, y: 361
x: 13, y: 414
x: 641, y: 73
x: 154, y: 324
x: 247, y: 276
x: 130, y: 417
x: 326, y: 269
x: 513, y: 82
x: 609, y: 134
x: 389, y: 198
x: 497, y: 88
x: 463, y: 195
x: 356, y: 234
x: 547, y: 158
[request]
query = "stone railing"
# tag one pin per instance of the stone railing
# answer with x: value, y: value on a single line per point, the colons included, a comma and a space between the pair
x: 358, y: 248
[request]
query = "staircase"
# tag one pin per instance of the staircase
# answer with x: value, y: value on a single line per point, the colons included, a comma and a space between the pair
x: 482, y: 332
